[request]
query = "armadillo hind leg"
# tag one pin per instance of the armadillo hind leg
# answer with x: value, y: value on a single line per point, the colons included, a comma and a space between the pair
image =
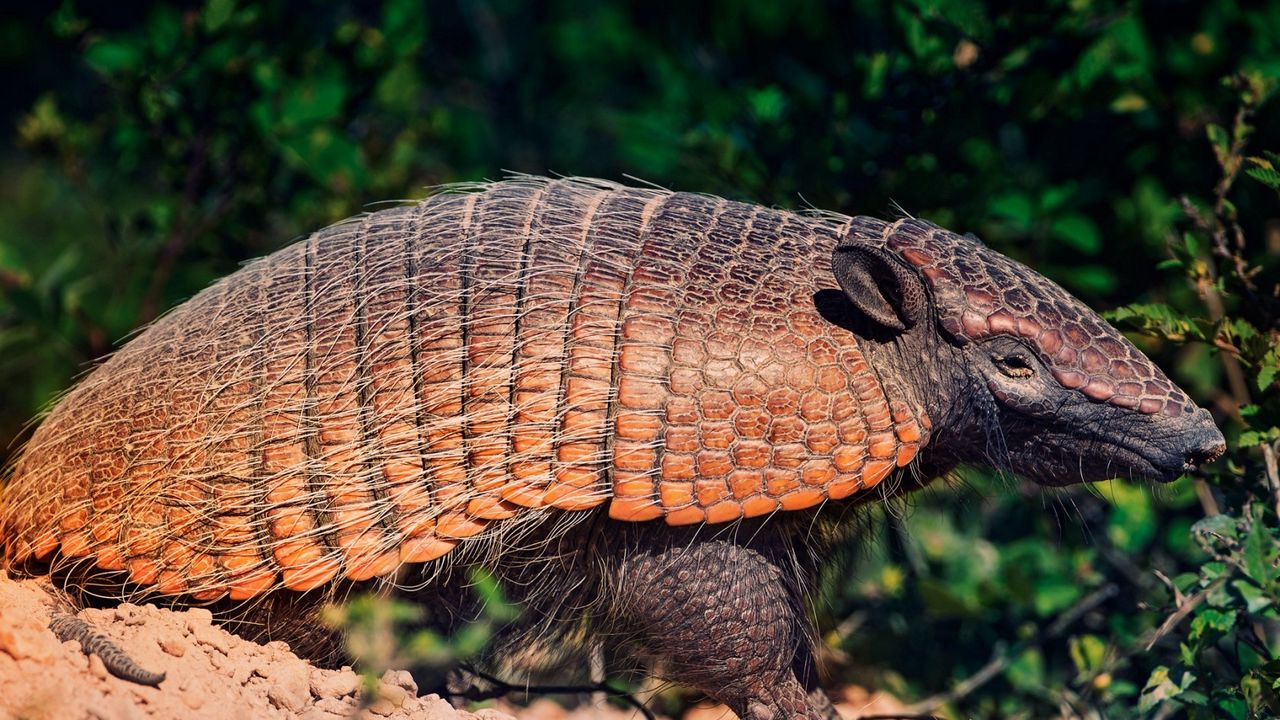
x: 69, y: 627
x: 727, y: 619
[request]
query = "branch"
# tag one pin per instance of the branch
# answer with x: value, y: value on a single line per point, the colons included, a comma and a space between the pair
x: 1273, y: 475
x: 1225, y: 220
x: 1000, y: 661
x: 502, y: 688
x: 899, y: 717
x: 1183, y: 610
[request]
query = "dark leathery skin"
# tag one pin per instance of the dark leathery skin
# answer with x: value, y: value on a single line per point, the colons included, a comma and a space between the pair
x: 725, y: 616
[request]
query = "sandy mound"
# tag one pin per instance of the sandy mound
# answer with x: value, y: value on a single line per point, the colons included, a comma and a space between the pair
x: 214, y: 674
x: 211, y: 673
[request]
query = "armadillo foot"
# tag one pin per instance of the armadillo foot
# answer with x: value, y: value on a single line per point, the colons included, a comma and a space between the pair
x: 723, y: 617
x: 69, y: 627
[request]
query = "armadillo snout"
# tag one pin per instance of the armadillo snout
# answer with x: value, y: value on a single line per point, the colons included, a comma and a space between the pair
x: 1204, y: 443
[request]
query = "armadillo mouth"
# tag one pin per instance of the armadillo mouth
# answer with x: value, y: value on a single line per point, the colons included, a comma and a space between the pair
x: 1095, y: 459
x: 1147, y: 463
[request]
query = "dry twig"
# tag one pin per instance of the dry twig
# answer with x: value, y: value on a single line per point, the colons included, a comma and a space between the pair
x: 1000, y: 661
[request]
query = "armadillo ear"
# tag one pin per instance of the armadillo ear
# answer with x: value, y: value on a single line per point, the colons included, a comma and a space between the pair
x: 879, y: 285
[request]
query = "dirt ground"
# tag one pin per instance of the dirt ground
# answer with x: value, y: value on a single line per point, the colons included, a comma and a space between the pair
x: 214, y: 674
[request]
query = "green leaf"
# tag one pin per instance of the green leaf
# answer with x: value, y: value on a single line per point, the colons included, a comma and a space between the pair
x: 1191, y: 243
x: 1053, y: 594
x: 1079, y: 232
x: 1222, y: 526
x: 1131, y: 524
x: 1015, y: 207
x: 329, y: 157
x: 873, y: 86
x: 316, y: 99
x: 1129, y: 102
x: 1092, y: 278
x: 1026, y: 671
x: 1259, y: 551
x: 1088, y: 653
x: 1221, y: 143
x: 1268, y: 367
x: 1212, y: 619
x: 1192, y: 697
x: 942, y: 600
x: 217, y: 13
x: 1255, y: 600
x: 1254, y: 438
x: 1161, y: 320
x: 400, y: 88
x: 111, y: 57
x: 1267, y: 176
x: 1159, y: 689
x: 405, y: 24
x: 768, y: 103
x: 164, y: 30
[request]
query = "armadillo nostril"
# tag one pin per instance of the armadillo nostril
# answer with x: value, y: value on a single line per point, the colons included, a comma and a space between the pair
x: 1204, y: 443
x: 1204, y: 455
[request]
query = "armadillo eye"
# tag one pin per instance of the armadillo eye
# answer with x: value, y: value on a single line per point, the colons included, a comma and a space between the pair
x: 1015, y: 365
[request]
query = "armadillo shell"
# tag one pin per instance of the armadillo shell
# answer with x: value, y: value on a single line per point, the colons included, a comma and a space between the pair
x: 399, y: 382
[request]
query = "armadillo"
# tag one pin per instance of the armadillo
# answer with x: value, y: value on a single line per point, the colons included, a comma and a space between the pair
x: 581, y: 385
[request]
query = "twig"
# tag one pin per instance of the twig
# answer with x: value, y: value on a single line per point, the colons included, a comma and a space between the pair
x: 1273, y: 475
x: 1183, y: 610
x: 1000, y: 661
x: 1217, y: 310
x: 1204, y: 493
x: 502, y: 688
x: 1213, y: 302
x: 1231, y: 170
x: 834, y: 639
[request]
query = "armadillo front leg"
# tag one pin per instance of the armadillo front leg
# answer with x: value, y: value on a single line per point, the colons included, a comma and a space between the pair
x: 727, y: 619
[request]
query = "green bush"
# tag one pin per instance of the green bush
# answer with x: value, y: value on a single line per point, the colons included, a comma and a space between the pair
x: 152, y: 147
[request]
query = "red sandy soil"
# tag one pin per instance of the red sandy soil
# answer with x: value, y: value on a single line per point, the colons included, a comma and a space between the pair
x: 214, y: 674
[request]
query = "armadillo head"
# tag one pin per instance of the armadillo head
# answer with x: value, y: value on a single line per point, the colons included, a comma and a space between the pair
x: 1038, y: 383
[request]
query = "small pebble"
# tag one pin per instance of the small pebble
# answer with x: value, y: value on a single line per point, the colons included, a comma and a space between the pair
x: 216, y: 661
x: 128, y: 614
x: 173, y: 646
x: 211, y: 637
x: 193, y: 700
x: 198, y: 617
x: 334, y: 684
x: 278, y: 648
x: 289, y: 688
x: 27, y: 642
x: 401, y: 679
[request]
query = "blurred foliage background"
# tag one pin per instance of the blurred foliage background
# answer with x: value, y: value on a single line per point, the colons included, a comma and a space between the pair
x: 148, y: 148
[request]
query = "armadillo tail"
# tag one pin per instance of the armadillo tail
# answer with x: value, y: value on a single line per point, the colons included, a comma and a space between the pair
x: 69, y: 627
